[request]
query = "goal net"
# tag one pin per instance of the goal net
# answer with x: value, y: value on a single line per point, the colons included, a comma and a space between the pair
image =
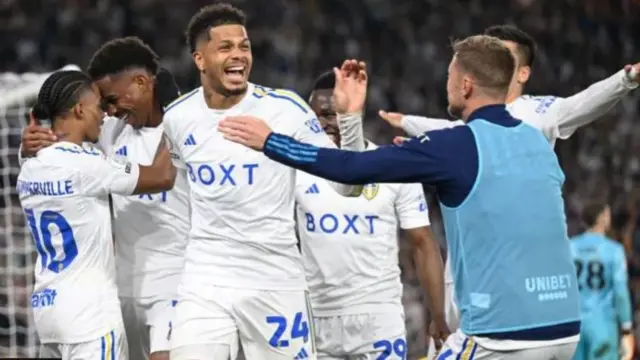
x: 17, y: 252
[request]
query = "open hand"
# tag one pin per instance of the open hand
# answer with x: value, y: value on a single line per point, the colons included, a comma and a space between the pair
x: 399, y: 140
x: 633, y: 72
x: 393, y: 118
x: 627, y: 345
x: 246, y: 130
x: 35, y: 137
x: 350, y: 91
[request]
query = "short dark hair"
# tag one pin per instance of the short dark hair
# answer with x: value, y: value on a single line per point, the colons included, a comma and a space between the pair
x: 211, y: 16
x: 326, y: 80
x: 487, y: 60
x: 59, y: 93
x: 592, y: 210
x: 526, y: 44
x: 122, y: 54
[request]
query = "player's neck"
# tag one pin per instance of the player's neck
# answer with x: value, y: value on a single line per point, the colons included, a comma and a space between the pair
x: 156, y: 117
x: 598, y: 230
x: 514, y: 94
x: 218, y: 101
x: 475, y: 104
x: 63, y: 132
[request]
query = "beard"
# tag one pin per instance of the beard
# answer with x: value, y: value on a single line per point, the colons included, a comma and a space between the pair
x: 218, y: 86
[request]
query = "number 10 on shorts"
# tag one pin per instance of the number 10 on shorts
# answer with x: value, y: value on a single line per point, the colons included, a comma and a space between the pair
x: 299, y: 329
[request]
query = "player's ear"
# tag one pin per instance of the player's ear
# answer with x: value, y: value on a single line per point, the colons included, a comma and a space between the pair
x: 523, y: 74
x: 141, y: 80
x: 199, y: 60
x: 467, y: 86
x: 78, y: 110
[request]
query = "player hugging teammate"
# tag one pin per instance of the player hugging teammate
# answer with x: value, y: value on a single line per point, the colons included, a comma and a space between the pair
x: 243, y: 281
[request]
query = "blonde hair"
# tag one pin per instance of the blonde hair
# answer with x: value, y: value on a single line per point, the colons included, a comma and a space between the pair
x: 487, y: 60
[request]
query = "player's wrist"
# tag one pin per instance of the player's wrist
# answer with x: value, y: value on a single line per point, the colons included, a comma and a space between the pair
x: 630, y: 77
x: 349, y: 115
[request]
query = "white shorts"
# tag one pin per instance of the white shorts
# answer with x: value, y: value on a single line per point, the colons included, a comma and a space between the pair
x: 361, y: 337
x: 270, y: 325
x: 111, y: 346
x: 460, y: 346
x: 147, y: 323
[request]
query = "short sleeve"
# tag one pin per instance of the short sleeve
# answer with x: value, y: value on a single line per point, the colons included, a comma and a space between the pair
x: 310, y: 131
x: 307, y: 127
x: 171, y: 130
x: 109, y: 132
x: 411, y: 207
x: 101, y: 176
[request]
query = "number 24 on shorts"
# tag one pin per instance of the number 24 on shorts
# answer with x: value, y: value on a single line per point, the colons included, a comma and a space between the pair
x: 299, y: 329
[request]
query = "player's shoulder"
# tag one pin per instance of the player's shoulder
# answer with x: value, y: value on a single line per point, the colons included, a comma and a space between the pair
x: 613, y: 245
x: 538, y: 104
x: 69, y: 155
x: 444, y: 137
x: 284, y: 99
x: 186, y: 102
x: 62, y: 157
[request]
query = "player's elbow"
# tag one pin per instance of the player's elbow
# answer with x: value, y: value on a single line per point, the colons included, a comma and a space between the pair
x: 423, y: 239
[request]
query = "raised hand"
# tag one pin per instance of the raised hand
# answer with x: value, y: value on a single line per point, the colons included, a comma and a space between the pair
x: 350, y: 91
x: 393, y: 118
x: 245, y: 130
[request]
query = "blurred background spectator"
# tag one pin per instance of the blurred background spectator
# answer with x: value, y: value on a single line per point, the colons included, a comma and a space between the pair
x: 406, y: 46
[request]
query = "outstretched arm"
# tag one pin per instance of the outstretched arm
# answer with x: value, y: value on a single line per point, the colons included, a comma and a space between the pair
x: 415, y: 125
x: 445, y: 158
x: 418, y: 160
x: 591, y: 103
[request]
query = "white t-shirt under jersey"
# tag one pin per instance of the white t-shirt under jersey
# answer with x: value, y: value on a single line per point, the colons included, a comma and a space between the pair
x: 350, y: 245
x: 150, y: 229
x: 64, y: 193
x: 242, y: 227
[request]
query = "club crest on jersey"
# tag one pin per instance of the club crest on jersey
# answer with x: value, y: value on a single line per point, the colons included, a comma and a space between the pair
x: 370, y: 191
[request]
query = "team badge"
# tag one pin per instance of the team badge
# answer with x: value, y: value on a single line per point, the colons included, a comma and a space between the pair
x: 370, y: 191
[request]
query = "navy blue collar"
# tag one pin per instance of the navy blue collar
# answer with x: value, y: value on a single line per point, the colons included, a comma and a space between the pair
x: 496, y: 114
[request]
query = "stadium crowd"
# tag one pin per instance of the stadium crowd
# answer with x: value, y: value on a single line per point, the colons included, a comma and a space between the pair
x: 406, y: 46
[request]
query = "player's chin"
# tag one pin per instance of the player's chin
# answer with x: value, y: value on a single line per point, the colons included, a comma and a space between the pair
x: 236, y: 88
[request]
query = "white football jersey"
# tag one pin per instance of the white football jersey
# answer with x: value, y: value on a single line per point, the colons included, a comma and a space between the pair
x: 350, y: 244
x: 556, y: 117
x: 242, y: 203
x: 150, y: 229
x: 64, y: 193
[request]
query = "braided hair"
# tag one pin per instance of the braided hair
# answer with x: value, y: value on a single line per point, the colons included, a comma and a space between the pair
x: 131, y: 52
x: 59, y: 94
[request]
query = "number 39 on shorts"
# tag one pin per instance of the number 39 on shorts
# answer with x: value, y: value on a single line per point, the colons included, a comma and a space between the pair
x: 286, y: 332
